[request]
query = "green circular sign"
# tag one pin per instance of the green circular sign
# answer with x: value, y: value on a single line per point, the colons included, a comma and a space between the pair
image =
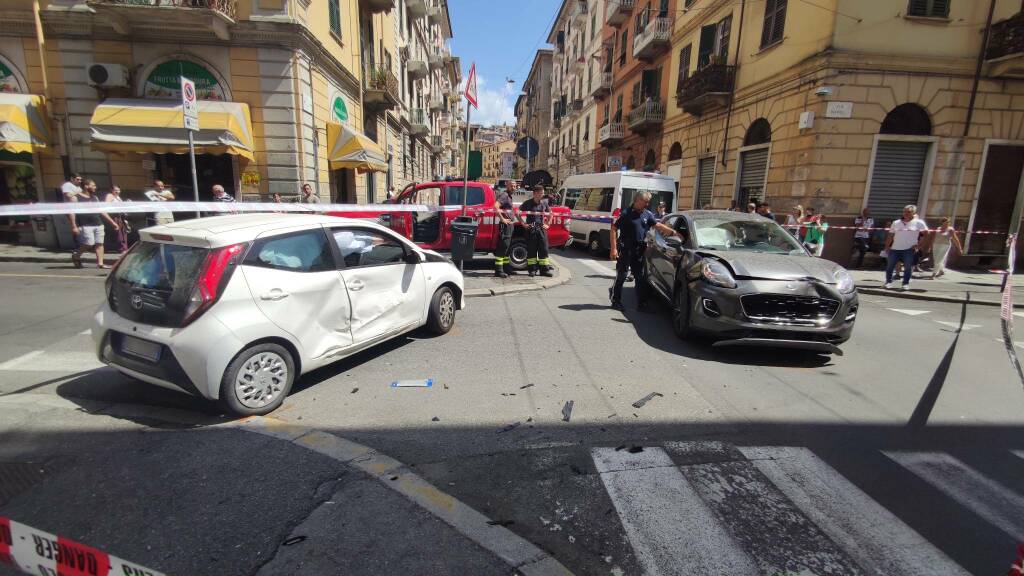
x: 339, y: 109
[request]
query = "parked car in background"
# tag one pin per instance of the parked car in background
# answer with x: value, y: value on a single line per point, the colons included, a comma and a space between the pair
x: 236, y: 308
x: 432, y: 230
x: 744, y: 280
x: 595, y: 199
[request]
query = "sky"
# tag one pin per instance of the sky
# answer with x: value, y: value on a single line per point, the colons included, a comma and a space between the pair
x: 502, y: 38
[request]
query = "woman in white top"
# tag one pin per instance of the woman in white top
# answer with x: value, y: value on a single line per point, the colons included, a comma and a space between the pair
x: 793, y: 220
x: 121, y: 219
x: 942, y: 239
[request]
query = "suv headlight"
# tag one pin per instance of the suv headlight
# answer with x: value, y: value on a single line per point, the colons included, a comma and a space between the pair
x: 717, y: 273
x: 844, y: 282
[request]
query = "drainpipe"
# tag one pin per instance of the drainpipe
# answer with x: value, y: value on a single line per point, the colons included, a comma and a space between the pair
x: 977, y: 68
x: 297, y: 87
x: 316, y: 134
x: 735, y: 70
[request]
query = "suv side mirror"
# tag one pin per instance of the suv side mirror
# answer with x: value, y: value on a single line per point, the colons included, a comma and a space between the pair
x: 412, y: 257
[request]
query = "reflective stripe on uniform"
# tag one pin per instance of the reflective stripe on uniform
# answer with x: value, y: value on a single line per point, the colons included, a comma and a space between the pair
x: 544, y: 261
x: 531, y: 261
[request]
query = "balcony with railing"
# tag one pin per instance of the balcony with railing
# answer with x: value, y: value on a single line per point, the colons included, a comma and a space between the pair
x: 653, y: 39
x: 419, y: 121
x: 437, y: 141
x: 417, y: 67
x: 579, y: 13
x: 710, y: 87
x: 378, y: 6
x: 435, y: 60
x: 380, y: 88
x: 437, y: 104
x: 436, y: 15
x: 611, y: 134
x: 168, y: 17
x: 646, y: 115
x: 602, y: 84
x: 416, y: 8
x: 574, y: 107
x: 1005, y: 52
x: 617, y: 12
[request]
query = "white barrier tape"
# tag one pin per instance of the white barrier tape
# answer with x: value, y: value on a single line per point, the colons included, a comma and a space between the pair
x: 53, y: 208
x: 830, y: 227
x: 44, y: 554
x: 1006, y: 310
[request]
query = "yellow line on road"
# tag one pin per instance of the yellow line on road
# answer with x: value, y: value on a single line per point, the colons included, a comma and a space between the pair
x: 9, y: 275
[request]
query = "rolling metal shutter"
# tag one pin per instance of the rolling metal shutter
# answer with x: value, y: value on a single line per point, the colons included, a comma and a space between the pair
x: 896, y: 178
x: 753, y: 166
x: 705, y: 180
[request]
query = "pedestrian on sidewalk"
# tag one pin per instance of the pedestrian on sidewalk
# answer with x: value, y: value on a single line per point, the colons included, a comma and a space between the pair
x: 71, y: 188
x: 537, y: 221
x: 815, y: 238
x: 903, y: 241
x: 662, y: 210
x: 158, y: 193
x: 765, y: 209
x: 862, y: 236
x: 307, y: 196
x: 943, y: 239
x: 633, y: 223
x: 88, y: 228
x: 220, y: 195
x: 122, y: 229
x: 793, y: 219
x: 506, y: 226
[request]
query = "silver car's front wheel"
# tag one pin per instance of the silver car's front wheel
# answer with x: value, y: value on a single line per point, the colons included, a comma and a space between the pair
x: 257, y: 380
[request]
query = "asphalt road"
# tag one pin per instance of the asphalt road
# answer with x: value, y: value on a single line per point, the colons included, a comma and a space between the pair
x: 904, y: 456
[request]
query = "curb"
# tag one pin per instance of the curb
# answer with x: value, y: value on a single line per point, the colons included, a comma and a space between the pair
x: 928, y: 297
x: 563, y: 276
x: 65, y: 259
x: 520, y: 554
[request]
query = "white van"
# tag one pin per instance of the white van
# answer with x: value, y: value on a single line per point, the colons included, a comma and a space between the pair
x: 594, y: 197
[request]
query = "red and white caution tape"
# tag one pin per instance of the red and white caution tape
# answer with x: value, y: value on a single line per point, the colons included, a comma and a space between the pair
x: 1006, y: 310
x: 54, y: 208
x: 37, y: 552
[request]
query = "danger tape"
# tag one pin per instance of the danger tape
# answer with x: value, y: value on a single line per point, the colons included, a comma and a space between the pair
x: 37, y: 552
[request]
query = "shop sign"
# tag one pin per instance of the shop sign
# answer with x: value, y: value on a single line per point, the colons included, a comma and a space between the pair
x: 614, y: 163
x: 8, y: 83
x: 250, y: 182
x: 165, y: 81
x: 338, y: 109
x: 149, y: 164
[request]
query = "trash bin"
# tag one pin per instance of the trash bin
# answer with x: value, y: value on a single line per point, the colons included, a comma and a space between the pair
x: 463, y: 237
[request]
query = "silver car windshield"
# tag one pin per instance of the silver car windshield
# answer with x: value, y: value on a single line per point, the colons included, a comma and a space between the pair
x: 728, y: 233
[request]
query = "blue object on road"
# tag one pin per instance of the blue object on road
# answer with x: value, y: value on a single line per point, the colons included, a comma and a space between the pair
x: 429, y: 382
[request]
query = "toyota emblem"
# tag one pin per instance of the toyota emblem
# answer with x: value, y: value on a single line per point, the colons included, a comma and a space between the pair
x: 136, y: 301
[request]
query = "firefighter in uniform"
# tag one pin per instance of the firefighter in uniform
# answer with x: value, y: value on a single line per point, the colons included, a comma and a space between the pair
x: 537, y: 219
x: 629, y: 232
x: 506, y: 225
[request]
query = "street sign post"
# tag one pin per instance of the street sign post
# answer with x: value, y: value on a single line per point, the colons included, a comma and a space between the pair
x: 472, y: 101
x: 527, y: 147
x: 190, y: 115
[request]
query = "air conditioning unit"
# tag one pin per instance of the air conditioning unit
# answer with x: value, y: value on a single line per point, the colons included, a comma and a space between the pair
x: 107, y: 75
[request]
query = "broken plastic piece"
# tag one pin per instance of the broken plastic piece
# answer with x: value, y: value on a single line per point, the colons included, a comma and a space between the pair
x: 567, y: 411
x: 354, y: 390
x: 635, y: 449
x: 510, y: 427
x: 640, y: 403
x: 294, y: 540
x: 526, y: 386
x: 435, y: 419
x: 413, y: 383
x: 500, y: 522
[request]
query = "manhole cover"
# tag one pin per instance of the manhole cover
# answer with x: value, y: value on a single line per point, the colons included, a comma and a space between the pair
x: 17, y: 477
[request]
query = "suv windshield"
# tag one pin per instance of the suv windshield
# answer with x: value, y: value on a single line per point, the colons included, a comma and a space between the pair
x: 725, y: 232
x: 153, y: 283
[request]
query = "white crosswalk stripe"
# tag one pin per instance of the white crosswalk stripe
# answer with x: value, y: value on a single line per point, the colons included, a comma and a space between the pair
x: 909, y: 312
x: 872, y: 535
x: 989, y: 499
x: 957, y: 326
x: 671, y: 529
x: 604, y: 269
x: 52, y: 361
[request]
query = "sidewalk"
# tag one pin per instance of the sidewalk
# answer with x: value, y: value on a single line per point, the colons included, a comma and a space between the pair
x: 975, y: 287
x: 479, y: 274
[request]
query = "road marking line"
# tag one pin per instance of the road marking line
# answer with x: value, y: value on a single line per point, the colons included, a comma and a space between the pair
x: 957, y: 326
x: 997, y: 504
x: 11, y: 275
x: 672, y: 530
x: 596, y: 266
x: 86, y: 332
x: 1018, y: 453
x: 524, y: 557
x: 23, y: 358
x: 1019, y: 314
x: 862, y: 527
x: 909, y: 312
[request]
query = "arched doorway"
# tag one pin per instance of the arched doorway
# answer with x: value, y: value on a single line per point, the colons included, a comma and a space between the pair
x: 900, y: 164
x: 603, y: 168
x: 631, y: 162
x: 753, y: 168
x: 650, y: 159
x: 675, y: 152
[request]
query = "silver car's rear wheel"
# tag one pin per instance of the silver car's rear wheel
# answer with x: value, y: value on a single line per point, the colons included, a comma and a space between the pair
x: 258, y: 379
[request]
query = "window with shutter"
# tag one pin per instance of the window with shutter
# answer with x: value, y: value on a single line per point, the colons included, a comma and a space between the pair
x: 722, y: 43
x: 334, y: 16
x: 618, y: 109
x: 635, y: 100
x: 774, y: 22
x: 622, y: 48
x: 707, y: 45
x: 684, y: 66
x: 928, y: 8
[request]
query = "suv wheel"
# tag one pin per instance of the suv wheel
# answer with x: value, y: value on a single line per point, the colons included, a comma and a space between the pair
x: 517, y: 254
x: 442, y: 311
x: 681, y: 312
x: 594, y: 244
x: 257, y: 380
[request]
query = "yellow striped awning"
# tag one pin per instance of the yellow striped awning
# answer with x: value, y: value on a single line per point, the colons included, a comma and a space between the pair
x: 23, y: 125
x: 348, y: 148
x: 157, y: 126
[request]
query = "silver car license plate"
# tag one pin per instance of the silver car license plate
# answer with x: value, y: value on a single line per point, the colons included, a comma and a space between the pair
x: 140, y: 348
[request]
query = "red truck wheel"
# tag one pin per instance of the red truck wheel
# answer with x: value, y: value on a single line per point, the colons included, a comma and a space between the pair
x: 517, y: 254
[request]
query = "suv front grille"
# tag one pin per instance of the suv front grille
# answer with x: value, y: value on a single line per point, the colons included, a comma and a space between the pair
x: 789, y: 310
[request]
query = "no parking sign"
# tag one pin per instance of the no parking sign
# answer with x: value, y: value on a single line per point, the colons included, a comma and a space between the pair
x: 188, y: 104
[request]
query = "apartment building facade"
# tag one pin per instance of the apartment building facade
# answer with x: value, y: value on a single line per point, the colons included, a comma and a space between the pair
x: 848, y: 105
x: 533, y: 115
x: 290, y: 91
x: 578, y: 84
x: 496, y: 160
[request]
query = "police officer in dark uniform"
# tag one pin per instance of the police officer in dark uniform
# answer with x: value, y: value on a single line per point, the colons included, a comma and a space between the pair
x: 630, y: 231
x: 506, y: 225
x: 537, y: 221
